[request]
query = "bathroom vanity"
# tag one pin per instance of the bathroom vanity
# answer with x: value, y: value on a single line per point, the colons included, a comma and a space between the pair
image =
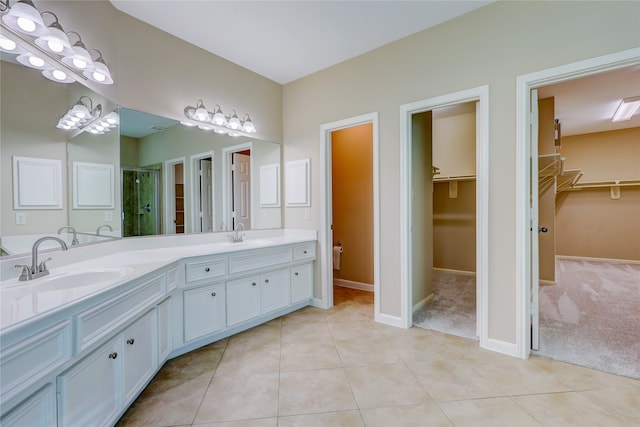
x: 78, y: 346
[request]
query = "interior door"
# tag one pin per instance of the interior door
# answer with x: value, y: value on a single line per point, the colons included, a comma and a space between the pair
x: 206, y: 193
x: 533, y: 203
x: 241, y: 190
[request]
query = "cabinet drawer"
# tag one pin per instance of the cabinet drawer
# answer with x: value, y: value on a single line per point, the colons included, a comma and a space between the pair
x: 306, y: 251
x: 264, y: 258
x: 37, y: 410
x: 101, y: 320
x: 27, y: 362
x: 205, y: 269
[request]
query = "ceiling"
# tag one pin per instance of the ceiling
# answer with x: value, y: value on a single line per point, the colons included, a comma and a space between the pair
x: 287, y: 40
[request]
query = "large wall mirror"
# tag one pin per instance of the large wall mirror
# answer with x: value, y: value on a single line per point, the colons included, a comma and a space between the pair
x: 149, y: 175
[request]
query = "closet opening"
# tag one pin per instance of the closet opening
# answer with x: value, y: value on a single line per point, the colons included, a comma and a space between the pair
x: 202, y: 217
x: 588, y: 184
x: 444, y: 228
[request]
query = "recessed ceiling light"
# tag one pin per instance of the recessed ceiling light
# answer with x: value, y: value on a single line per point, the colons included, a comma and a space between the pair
x: 626, y: 109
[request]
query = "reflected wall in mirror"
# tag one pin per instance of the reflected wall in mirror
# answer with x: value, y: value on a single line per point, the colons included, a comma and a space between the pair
x: 31, y: 107
x: 179, y: 179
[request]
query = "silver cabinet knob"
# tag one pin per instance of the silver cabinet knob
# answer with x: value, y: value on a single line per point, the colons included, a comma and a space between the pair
x: 113, y: 355
x: 266, y: 280
x: 207, y: 269
x: 304, y: 252
x: 213, y: 294
x: 296, y: 273
x: 130, y: 341
x: 253, y: 284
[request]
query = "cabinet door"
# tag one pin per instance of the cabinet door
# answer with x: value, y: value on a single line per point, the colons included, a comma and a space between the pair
x: 203, y: 311
x: 243, y: 300
x: 164, y: 329
x: 89, y: 393
x: 38, y: 410
x: 139, y: 354
x: 274, y: 290
x: 301, y: 282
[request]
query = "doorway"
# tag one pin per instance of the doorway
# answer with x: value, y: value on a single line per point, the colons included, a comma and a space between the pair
x: 326, y: 238
x: 527, y: 225
x: 352, y: 209
x: 414, y: 172
x: 236, y: 184
x: 174, y: 196
x: 140, y: 201
x: 202, y: 218
x: 444, y: 144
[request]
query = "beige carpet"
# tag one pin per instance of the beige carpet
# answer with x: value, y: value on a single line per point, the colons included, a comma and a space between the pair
x: 592, y: 316
x: 453, y: 309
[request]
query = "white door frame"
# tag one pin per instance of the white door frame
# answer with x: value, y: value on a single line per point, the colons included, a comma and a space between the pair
x: 326, y: 218
x: 226, y: 181
x: 169, y: 192
x: 524, y: 85
x: 480, y: 95
x: 195, y: 179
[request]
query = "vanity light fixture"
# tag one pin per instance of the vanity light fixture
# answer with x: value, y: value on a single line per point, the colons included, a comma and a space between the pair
x: 217, y: 121
x: 105, y: 124
x: 626, y: 109
x: 80, y: 115
x: 48, y: 48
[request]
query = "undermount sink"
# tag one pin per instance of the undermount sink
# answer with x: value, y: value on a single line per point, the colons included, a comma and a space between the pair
x: 80, y: 278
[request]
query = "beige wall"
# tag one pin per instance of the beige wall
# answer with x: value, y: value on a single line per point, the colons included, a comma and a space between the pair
x: 490, y: 46
x: 422, y: 206
x: 454, y: 227
x: 604, y: 156
x: 547, y: 194
x: 352, y: 201
x: 590, y: 223
x: 30, y: 135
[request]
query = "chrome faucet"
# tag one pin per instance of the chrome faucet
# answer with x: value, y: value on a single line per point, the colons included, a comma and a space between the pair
x: 103, y: 226
x: 38, y: 270
x: 235, y: 238
x: 73, y: 230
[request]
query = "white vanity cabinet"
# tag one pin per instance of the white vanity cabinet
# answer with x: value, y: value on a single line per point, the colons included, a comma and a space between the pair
x: 94, y: 390
x: 204, y: 311
x: 89, y: 393
x: 164, y: 328
x: 38, y: 410
x: 301, y: 282
x: 274, y: 290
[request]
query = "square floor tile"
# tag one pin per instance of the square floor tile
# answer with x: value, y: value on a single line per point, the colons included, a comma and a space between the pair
x: 306, y: 392
x: 308, y: 355
x: 334, y: 419
x: 492, y: 412
x: 428, y: 414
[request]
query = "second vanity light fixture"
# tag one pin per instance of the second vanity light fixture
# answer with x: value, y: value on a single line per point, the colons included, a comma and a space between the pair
x: 48, y: 48
x: 84, y: 117
x: 217, y: 121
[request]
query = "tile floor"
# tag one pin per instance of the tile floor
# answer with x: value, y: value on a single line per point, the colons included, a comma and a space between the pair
x: 339, y: 368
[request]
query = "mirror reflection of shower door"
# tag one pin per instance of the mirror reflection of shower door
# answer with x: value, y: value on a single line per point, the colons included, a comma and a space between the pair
x: 140, y: 199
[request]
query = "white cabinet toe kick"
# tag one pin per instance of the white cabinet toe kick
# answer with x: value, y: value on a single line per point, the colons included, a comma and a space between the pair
x: 85, y: 363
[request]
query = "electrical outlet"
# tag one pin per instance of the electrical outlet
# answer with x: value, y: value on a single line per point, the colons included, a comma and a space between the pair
x: 21, y: 218
x: 307, y: 214
x: 108, y: 216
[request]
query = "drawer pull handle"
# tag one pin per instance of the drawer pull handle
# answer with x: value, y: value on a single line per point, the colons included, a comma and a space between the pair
x: 296, y: 273
x: 213, y: 294
x: 253, y: 284
x: 113, y: 355
x: 304, y: 252
x: 207, y: 269
x: 130, y: 341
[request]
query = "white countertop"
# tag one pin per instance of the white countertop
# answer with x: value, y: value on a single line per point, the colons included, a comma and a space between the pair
x: 121, y: 261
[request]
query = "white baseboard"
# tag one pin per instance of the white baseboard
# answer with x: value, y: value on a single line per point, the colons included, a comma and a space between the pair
x: 317, y: 302
x: 390, y: 320
x: 503, y: 347
x: 611, y: 260
x: 353, y: 285
x: 460, y: 272
x: 423, y: 302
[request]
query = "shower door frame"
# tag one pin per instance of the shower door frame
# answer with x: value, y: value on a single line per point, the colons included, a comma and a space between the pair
x: 157, y: 196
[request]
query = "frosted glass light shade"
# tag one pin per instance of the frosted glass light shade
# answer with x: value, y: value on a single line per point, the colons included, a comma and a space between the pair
x: 25, y: 18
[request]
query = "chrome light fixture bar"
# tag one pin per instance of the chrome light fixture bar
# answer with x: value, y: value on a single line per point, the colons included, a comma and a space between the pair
x: 217, y: 121
x: 48, y: 48
x: 626, y: 109
x: 82, y: 116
